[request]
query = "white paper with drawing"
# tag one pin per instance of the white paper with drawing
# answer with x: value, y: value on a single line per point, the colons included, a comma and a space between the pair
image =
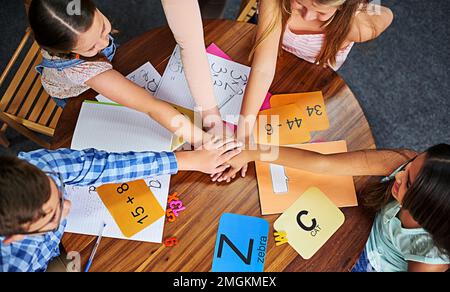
x: 230, y: 79
x: 115, y: 129
x: 88, y: 212
x: 145, y: 76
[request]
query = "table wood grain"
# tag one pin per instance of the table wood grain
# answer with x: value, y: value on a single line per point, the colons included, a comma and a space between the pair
x: 196, y: 228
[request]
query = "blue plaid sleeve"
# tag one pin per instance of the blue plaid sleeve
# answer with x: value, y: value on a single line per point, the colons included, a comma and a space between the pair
x: 92, y: 166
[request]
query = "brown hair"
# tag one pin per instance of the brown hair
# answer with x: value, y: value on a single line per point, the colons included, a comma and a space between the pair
x: 336, y: 28
x: 56, y: 31
x: 428, y: 198
x: 24, y: 189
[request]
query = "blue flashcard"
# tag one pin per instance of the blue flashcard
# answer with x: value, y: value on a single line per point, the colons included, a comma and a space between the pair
x: 241, y: 244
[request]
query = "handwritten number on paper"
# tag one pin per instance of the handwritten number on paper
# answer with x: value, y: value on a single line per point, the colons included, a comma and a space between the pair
x: 244, y: 77
x: 221, y: 70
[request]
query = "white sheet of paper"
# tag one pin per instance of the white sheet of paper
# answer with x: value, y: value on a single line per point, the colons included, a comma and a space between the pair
x: 88, y: 212
x: 230, y: 79
x: 145, y: 76
x: 280, y: 182
x: 115, y: 129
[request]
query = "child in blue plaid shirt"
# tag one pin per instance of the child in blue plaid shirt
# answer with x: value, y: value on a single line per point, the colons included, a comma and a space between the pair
x: 32, y: 198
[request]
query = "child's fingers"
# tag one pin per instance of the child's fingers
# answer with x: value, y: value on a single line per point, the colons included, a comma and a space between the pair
x: 244, y: 170
x: 221, y: 169
x: 216, y: 176
x: 230, y: 146
x: 225, y: 157
x: 219, y: 144
x: 230, y: 173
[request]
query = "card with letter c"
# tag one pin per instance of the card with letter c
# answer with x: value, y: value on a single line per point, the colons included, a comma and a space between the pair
x: 132, y: 205
x: 312, y: 107
x: 310, y: 222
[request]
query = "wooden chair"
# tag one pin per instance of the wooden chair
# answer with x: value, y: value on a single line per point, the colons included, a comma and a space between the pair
x: 248, y: 10
x: 27, y: 4
x: 25, y: 106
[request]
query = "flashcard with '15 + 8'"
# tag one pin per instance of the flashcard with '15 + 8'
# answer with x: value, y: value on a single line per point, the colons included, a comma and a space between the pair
x: 132, y: 205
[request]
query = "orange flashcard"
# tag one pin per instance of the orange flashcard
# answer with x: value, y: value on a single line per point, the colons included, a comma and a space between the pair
x: 280, y: 188
x: 281, y: 126
x: 312, y: 108
x: 132, y: 205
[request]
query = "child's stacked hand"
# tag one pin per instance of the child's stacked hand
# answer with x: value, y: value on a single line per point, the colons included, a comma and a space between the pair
x: 211, y: 158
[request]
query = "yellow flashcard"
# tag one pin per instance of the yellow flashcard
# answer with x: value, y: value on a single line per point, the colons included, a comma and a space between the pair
x: 312, y: 108
x: 310, y: 222
x: 281, y: 126
x: 177, y: 142
x: 132, y: 205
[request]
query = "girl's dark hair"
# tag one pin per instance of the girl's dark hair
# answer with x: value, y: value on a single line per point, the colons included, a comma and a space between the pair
x: 24, y: 189
x: 55, y: 27
x: 428, y: 198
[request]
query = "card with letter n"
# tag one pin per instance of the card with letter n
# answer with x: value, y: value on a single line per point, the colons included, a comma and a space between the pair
x: 241, y: 244
x: 311, y: 105
x: 310, y: 222
x: 281, y: 126
x: 132, y: 205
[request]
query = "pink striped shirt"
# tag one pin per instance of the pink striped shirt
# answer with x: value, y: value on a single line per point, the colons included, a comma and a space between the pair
x: 308, y: 46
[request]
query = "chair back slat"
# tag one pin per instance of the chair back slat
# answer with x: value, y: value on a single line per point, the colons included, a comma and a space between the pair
x: 55, y: 118
x: 39, y: 107
x: 25, y: 105
x: 24, y: 91
x: 29, y: 59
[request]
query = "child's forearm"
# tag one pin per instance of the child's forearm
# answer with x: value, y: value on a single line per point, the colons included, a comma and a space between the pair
x: 177, y: 123
x: 357, y: 163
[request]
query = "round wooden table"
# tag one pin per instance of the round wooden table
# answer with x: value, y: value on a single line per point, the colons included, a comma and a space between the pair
x: 196, y: 229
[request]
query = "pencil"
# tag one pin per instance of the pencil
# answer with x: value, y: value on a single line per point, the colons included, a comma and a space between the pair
x: 94, y: 250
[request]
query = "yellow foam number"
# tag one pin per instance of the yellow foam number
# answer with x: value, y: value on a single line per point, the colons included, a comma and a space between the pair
x: 312, y: 107
x: 280, y: 238
x: 282, y: 126
x: 132, y: 205
x: 310, y: 222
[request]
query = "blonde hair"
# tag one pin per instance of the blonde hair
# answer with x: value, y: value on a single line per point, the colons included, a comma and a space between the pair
x: 336, y: 28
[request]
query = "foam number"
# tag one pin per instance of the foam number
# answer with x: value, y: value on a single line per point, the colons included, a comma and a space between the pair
x: 280, y: 238
x: 169, y: 242
x: 170, y: 216
x: 175, y: 207
x: 132, y: 205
